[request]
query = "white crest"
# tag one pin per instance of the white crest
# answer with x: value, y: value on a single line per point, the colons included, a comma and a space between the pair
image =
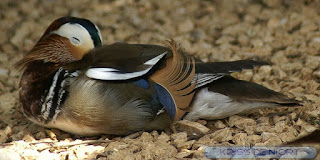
x: 77, y: 34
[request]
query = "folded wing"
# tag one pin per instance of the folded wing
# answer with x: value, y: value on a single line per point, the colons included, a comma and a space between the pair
x: 175, y: 73
x: 122, y: 61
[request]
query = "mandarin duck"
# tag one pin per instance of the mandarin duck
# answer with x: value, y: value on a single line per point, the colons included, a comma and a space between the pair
x: 72, y: 82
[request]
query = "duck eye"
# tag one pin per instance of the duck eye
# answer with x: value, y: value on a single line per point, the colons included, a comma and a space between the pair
x: 75, y: 40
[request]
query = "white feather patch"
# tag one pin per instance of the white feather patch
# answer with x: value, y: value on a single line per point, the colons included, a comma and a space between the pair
x: 46, y: 106
x: 212, y: 105
x: 205, y: 78
x: 74, y: 30
x: 115, y: 74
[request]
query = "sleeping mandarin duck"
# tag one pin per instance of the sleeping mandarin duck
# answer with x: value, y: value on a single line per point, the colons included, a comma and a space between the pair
x: 74, y: 83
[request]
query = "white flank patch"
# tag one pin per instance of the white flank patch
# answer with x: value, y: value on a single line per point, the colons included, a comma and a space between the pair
x: 211, y: 105
x: 115, y: 74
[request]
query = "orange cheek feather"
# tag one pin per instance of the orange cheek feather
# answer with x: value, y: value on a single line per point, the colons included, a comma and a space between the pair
x: 78, y: 52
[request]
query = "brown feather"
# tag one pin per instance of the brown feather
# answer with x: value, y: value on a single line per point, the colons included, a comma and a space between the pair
x: 54, y: 49
x: 176, y: 78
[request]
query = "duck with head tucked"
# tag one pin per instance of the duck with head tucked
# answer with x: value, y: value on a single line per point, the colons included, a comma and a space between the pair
x: 72, y: 82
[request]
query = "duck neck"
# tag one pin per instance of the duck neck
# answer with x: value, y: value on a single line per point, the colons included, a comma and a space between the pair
x: 34, y: 83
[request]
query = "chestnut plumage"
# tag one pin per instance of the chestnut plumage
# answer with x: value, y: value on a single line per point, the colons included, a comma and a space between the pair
x: 72, y: 82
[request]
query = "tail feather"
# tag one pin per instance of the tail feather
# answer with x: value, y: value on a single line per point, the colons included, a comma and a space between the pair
x: 211, y: 71
x: 239, y: 90
x: 227, y: 67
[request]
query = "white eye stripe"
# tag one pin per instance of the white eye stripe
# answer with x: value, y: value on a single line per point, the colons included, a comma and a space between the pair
x: 77, y: 34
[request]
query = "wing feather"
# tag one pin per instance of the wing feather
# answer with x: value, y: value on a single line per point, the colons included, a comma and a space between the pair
x: 211, y: 71
x: 177, y: 77
x: 116, y: 74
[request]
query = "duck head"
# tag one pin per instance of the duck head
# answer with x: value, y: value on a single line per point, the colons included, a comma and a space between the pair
x: 66, y: 40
